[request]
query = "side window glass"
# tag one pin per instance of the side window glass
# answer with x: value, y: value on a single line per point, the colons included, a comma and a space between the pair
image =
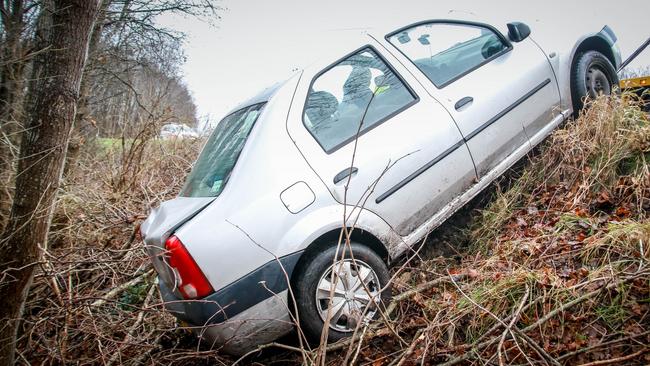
x: 353, y: 96
x: 445, y: 52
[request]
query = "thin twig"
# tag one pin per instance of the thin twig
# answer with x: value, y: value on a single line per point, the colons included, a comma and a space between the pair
x: 515, y: 317
x: 618, y: 359
x: 118, y: 289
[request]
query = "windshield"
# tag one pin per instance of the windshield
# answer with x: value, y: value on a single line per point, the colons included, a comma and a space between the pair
x: 220, y: 153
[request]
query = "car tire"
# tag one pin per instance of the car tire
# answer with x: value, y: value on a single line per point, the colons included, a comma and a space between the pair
x: 592, y: 74
x: 318, y: 270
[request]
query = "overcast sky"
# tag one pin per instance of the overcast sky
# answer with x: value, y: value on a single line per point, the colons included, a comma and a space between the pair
x: 257, y: 42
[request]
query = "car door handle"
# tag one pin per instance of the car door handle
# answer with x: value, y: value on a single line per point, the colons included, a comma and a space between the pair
x: 345, y: 173
x: 463, y: 102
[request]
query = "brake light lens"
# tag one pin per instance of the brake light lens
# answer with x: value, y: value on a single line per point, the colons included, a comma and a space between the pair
x: 193, y: 283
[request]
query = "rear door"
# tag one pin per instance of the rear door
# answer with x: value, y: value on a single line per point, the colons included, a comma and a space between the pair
x: 499, y: 93
x: 409, y: 158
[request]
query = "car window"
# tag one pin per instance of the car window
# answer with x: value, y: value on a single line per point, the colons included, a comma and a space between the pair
x: 219, y: 155
x: 355, y: 94
x: 445, y: 52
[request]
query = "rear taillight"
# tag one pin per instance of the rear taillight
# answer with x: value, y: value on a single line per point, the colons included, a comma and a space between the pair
x: 193, y: 283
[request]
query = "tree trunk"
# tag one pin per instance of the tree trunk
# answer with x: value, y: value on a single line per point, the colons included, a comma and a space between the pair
x: 12, y: 70
x: 40, y: 42
x: 42, y: 156
x: 82, y: 127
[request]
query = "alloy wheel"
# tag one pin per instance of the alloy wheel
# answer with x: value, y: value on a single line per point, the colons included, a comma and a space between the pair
x: 349, y: 291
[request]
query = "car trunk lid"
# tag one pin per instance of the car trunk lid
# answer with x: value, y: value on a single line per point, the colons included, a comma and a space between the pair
x: 162, y: 222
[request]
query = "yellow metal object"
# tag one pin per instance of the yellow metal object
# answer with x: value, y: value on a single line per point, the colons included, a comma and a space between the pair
x: 640, y: 82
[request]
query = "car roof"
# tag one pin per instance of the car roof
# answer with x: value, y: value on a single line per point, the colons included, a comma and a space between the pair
x: 338, y: 44
x: 396, y: 23
x: 261, y: 97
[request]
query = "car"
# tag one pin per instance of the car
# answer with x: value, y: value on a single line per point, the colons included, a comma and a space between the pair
x: 177, y: 131
x: 379, y: 142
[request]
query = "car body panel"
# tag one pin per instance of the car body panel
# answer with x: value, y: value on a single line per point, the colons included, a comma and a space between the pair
x: 453, y: 206
x: 161, y: 222
x: 263, y: 322
x: 248, y: 239
x: 565, y: 48
x: 259, y: 324
x: 496, y: 120
x: 323, y: 220
x: 258, y: 286
x: 225, y: 226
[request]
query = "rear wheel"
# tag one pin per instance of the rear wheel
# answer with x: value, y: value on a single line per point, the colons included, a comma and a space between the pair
x: 592, y: 75
x: 342, y: 294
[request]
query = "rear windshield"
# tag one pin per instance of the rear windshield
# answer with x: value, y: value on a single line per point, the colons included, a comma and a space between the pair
x: 212, y: 169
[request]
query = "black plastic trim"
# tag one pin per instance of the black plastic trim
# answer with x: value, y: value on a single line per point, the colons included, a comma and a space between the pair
x: 462, y: 102
x: 611, y: 36
x: 508, y: 109
x: 236, y: 297
x: 415, y: 100
x: 345, y: 173
x: 505, y: 40
x: 422, y: 169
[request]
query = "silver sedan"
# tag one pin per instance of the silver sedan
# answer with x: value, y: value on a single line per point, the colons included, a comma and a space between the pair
x: 379, y: 142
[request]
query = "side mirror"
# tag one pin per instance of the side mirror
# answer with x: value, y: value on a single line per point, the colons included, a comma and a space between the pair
x: 518, y: 31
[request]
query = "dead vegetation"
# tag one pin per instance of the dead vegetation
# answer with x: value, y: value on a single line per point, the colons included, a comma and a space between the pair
x: 94, y: 300
x: 557, y: 272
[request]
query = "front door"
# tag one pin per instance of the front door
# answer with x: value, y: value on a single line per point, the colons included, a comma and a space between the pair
x: 358, y: 121
x: 499, y: 93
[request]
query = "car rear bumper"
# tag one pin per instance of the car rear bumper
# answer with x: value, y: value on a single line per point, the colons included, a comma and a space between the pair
x: 263, y: 322
x: 251, y: 311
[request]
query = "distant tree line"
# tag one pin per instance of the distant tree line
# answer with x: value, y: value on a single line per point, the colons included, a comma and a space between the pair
x: 132, y: 74
x: 133, y: 69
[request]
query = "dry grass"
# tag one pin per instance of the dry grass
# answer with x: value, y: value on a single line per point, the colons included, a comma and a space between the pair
x: 93, y: 248
x: 558, y: 272
x: 568, y: 240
